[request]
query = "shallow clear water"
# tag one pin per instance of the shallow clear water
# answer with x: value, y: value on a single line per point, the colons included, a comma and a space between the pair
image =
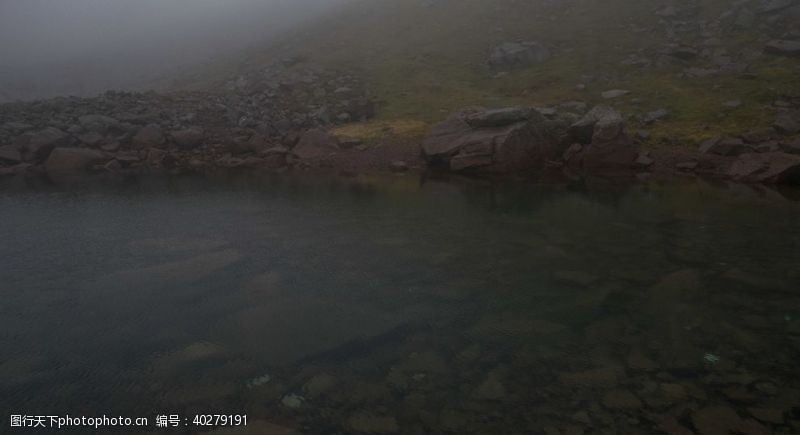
x: 395, y: 305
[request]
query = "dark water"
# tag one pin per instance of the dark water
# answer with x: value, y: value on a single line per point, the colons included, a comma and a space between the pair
x: 391, y: 305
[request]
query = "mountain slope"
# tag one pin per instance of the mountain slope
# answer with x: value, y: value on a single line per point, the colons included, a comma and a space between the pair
x: 702, y: 61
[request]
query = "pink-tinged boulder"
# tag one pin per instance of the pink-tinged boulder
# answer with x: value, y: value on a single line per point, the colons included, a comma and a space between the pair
x: 493, y: 141
x: 611, y: 149
x: 63, y: 160
x: 40, y: 144
x: 149, y: 136
x: 776, y: 167
x: 314, y: 144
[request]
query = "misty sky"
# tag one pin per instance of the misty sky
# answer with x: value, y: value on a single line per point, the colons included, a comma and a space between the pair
x: 118, y: 41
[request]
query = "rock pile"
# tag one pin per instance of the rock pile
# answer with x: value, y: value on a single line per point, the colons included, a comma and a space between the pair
x: 254, y: 120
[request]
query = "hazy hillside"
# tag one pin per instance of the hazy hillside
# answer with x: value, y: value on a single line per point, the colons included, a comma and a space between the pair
x: 702, y: 61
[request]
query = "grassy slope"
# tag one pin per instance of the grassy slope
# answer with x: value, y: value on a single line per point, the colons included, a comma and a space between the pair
x: 425, y: 59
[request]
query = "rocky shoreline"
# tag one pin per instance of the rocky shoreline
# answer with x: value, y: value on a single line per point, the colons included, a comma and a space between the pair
x: 279, y: 119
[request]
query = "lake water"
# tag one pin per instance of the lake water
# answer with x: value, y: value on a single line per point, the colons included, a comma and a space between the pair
x: 385, y: 305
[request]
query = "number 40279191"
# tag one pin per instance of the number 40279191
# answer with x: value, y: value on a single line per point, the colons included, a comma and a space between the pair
x: 219, y: 420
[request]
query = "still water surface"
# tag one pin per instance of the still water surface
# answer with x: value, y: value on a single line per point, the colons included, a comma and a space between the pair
x: 390, y: 305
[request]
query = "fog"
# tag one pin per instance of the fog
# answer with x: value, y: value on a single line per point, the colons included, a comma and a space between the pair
x: 53, y: 47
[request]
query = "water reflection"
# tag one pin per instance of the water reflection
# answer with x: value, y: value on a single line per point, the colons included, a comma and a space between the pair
x: 389, y: 305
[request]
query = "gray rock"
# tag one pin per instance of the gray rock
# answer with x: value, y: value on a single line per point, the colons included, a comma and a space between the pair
x: 518, y: 54
x: 583, y: 130
x: 498, y: 117
x: 73, y: 160
x: 783, y: 48
x: 777, y: 168
x: 655, y: 115
x: 724, y: 146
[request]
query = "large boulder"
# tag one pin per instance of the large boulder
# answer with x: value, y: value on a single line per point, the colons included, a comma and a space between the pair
x: 188, y: 138
x: 73, y: 160
x: 776, y: 167
x: 315, y: 143
x: 518, y: 54
x: 609, y: 147
x: 582, y: 131
x: 40, y: 144
x: 497, y: 141
x: 149, y: 136
x: 498, y: 117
